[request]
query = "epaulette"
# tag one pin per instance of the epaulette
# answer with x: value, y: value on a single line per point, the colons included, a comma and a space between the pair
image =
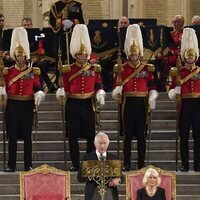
x: 118, y: 68
x: 151, y: 67
x: 36, y: 70
x: 66, y: 68
x: 97, y: 68
x: 173, y: 71
x: 5, y: 71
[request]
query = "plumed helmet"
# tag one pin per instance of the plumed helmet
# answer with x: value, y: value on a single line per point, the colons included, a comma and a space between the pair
x: 133, y: 41
x: 134, y: 48
x: 19, y: 51
x: 189, y: 44
x: 80, y: 41
x: 83, y: 49
x: 19, y: 43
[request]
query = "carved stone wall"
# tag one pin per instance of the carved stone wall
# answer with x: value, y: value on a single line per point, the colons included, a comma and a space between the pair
x: 13, y: 11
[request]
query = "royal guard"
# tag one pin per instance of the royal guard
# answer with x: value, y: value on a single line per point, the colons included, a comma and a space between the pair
x: 134, y: 82
x: 82, y: 87
x: 23, y: 91
x: 186, y: 84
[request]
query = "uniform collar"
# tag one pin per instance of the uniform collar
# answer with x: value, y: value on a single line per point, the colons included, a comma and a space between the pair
x: 20, y: 68
x: 134, y: 66
x: 190, y: 68
x: 81, y: 65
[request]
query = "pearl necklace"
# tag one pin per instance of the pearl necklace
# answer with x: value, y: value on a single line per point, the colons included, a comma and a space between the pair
x: 150, y: 192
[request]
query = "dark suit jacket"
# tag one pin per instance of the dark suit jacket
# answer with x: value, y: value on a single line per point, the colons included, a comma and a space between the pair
x: 159, y: 195
x: 91, y: 185
x: 59, y: 9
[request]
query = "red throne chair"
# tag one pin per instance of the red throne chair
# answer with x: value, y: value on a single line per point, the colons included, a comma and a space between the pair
x: 134, y: 182
x: 45, y: 183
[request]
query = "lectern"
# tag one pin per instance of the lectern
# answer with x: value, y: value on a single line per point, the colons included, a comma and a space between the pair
x: 101, y: 171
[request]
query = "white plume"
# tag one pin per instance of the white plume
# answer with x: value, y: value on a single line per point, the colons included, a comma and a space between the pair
x: 80, y: 34
x: 133, y: 33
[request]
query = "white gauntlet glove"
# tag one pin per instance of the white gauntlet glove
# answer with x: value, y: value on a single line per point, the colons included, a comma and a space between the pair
x: 67, y: 24
x: 153, y: 94
x: 38, y: 97
x: 3, y: 93
x: 100, y: 96
x: 117, y: 91
x: 177, y: 90
x: 152, y: 104
x: 60, y: 93
x: 173, y: 92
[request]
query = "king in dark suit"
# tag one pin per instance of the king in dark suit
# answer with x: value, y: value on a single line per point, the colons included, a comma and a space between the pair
x: 91, y: 191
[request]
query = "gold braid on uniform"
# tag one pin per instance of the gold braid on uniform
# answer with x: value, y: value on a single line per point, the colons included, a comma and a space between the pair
x: 66, y: 68
x: 55, y: 13
x: 5, y: 71
x: 63, y: 14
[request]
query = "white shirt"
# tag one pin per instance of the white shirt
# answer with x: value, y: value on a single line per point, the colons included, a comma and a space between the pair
x: 99, y: 154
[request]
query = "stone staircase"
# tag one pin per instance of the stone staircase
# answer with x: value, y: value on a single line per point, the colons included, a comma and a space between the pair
x: 50, y: 148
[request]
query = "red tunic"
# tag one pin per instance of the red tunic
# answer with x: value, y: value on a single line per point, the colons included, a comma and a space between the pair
x: 139, y: 83
x: 177, y: 42
x: 191, y: 88
x: 26, y: 85
x: 87, y: 82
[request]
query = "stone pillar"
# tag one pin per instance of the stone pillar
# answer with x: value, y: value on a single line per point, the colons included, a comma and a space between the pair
x: 37, y: 14
x: 125, y: 8
x: 194, y: 8
x: 1, y: 6
x: 135, y: 9
x: 95, y: 9
x: 116, y: 7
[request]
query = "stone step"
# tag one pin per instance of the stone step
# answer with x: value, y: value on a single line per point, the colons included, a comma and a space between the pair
x: 109, y: 124
x: 57, y: 135
x: 53, y: 115
x: 50, y: 155
x: 9, y: 184
x: 163, y: 164
x: 187, y: 177
x: 109, y: 105
x: 162, y: 96
x: 192, y: 189
x: 50, y: 147
x: 58, y: 145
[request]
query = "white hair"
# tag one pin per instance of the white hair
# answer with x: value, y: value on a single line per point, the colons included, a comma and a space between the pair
x: 151, y: 172
x: 195, y: 20
x: 100, y: 135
